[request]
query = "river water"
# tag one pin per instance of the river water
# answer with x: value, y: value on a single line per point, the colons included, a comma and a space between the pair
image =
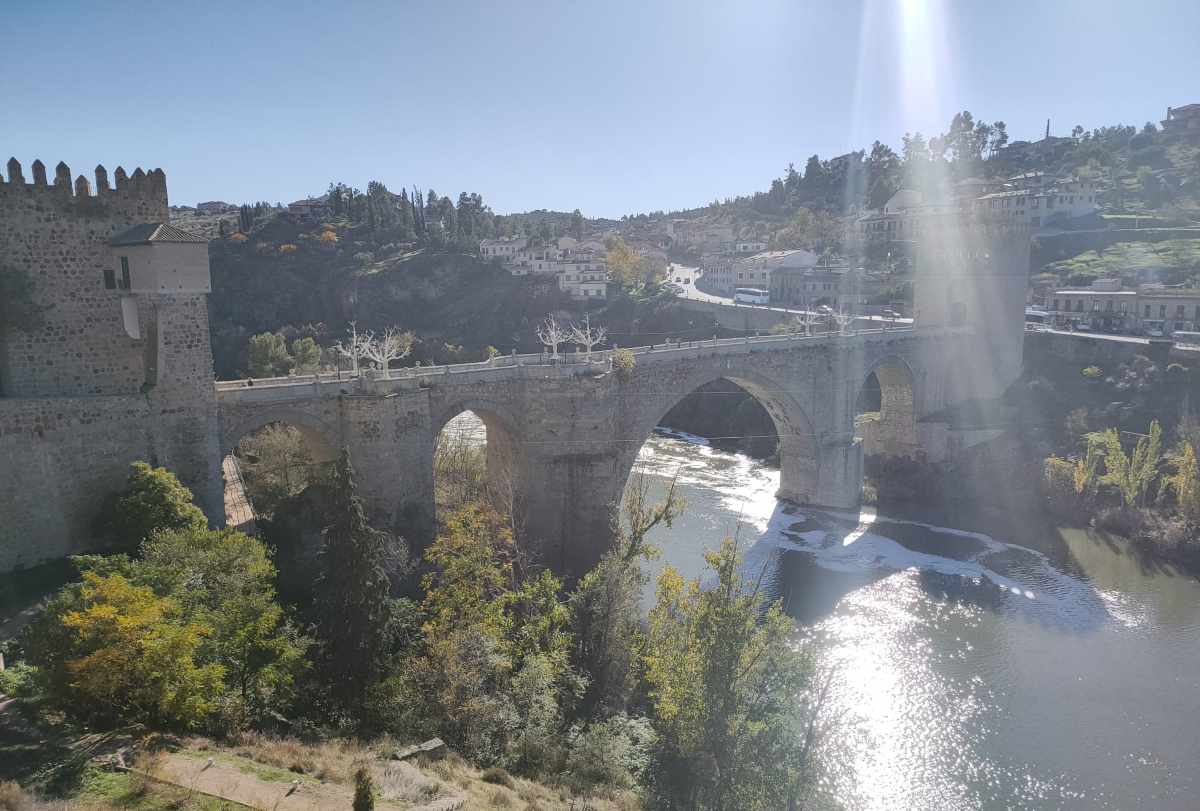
x: 1050, y: 669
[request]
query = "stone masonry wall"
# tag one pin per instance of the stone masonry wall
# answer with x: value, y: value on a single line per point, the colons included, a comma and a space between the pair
x: 58, y: 234
x: 79, y: 399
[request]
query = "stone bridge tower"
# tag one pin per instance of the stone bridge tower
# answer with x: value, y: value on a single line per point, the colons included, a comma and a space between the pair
x: 116, y: 365
x: 971, y: 275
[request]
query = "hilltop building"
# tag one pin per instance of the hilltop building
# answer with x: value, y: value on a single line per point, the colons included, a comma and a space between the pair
x: 1182, y: 119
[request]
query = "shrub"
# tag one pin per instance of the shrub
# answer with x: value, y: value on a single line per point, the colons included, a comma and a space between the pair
x: 328, y: 237
x: 623, y: 362
x: 287, y: 248
x: 239, y: 237
x: 364, y: 790
x: 612, y: 753
x: 498, y: 776
x: 14, y: 798
x: 1093, y: 372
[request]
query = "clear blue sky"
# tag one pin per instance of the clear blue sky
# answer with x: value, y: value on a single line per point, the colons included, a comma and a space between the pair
x: 612, y: 107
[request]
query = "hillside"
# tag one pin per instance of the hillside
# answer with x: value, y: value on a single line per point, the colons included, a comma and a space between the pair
x: 304, y: 279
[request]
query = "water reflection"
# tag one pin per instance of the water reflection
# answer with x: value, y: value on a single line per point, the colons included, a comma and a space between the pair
x: 1057, y: 672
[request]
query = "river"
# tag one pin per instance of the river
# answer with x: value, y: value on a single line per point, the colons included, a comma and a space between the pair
x: 1049, y: 669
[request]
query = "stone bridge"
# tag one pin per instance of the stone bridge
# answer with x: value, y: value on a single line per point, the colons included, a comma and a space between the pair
x: 565, y: 435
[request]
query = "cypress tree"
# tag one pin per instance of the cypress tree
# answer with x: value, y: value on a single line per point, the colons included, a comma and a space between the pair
x: 356, y: 618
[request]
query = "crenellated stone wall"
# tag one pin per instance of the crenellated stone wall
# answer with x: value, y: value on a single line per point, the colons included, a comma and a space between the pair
x: 79, y: 398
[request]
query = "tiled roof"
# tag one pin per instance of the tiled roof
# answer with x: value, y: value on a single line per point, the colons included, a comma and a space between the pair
x: 154, y: 232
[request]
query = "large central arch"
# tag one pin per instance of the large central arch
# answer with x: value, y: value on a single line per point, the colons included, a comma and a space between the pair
x: 799, y: 445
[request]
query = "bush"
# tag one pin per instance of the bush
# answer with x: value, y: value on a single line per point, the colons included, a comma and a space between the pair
x: 498, y: 776
x: 14, y: 798
x: 614, y: 753
x: 1093, y: 372
x: 287, y: 248
x: 623, y: 363
x: 364, y: 790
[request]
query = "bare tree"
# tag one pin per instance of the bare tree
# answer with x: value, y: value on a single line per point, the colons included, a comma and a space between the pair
x: 353, y: 347
x: 587, y: 336
x: 392, y: 345
x: 551, y: 334
x: 843, y: 320
x: 810, y: 318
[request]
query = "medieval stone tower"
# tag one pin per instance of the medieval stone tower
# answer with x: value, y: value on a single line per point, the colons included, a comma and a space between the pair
x: 971, y: 275
x: 104, y: 360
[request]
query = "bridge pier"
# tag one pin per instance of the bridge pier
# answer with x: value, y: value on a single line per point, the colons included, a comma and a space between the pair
x: 567, y: 514
x: 841, y: 474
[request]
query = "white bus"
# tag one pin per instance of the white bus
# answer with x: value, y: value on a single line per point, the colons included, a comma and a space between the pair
x: 751, y: 295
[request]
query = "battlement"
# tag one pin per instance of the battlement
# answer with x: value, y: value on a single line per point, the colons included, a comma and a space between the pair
x: 141, y: 185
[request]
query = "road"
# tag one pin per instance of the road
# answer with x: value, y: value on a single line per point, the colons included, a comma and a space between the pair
x: 687, y: 278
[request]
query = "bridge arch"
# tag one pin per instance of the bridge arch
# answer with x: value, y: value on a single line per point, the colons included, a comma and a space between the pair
x: 886, y: 408
x: 318, y: 434
x: 503, y: 454
x: 799, y: 443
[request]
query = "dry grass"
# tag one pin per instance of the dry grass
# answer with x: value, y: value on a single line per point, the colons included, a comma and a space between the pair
x: 415, y: 782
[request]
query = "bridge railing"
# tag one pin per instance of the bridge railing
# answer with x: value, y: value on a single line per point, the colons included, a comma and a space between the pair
x: 599, y: 360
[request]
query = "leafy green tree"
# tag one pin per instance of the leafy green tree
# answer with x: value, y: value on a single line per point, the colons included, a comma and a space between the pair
x: 115, y: 651
x: 723, y: 685
x: 577, y: 224
x: 268, y: 356
x: 153, y: 500
x: 225, y: 580
x: 306, y: 356
x: 357, y: 613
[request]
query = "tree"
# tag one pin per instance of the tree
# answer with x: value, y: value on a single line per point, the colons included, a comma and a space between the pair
x: 306, y: 355
x: 356, y: 616
x: 353, y: 347
x: 622, y: 261
x: 225, y: 581
x: 587, y: 336
x: 392, y: 345
x: 115, y: 651
x: 606, y: 604
x: 268, y: 356
x: 153, y: 500
x: 551, y: 334
x: 724, y: 684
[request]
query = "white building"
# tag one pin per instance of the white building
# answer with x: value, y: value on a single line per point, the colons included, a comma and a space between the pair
x: 584, y: 279
x: 504, y: 249
x: 729, y: 273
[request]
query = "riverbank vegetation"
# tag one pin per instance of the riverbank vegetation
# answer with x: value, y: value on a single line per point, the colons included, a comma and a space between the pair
x: 703, y: 704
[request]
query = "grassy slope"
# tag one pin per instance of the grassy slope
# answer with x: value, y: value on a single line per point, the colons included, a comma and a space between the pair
x: 1127, y: 258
